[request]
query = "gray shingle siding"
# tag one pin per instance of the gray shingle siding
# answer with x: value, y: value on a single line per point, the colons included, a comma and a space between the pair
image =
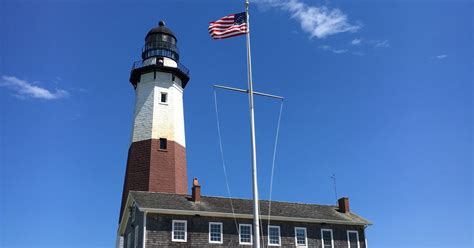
x: 131, y: 229
x: 159, y: 232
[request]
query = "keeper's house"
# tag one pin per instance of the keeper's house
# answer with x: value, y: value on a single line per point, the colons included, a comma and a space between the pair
x: 156, y: 209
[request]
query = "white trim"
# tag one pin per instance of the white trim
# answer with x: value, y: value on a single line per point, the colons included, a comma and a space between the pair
x: 222, y: 233
x: 129, y: 240
x: 135, y: 237
x: 119, y: 242
x: 279, y: 235
x: 249, y: 216
x: 305, y: 237
x: 322, y: 237
x: 349, y: 241
x: 144, y: 228
x: 185, y: 231
x: 365, y: 236
x: 125, y: 215
x: 240, y: 233
x: 134, y: 212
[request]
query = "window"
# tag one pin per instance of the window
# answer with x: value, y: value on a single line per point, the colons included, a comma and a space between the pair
x: 274, y: 235
x: 300, y: 236
x: 179, y: 233
x: 135, y: 240
x: 164, y: 97
x: 353, y: 239
x: 245, y: 234
x: 163, y: 143
x: 129, y: 240
x: 326, y: 238
x: 215, y: 232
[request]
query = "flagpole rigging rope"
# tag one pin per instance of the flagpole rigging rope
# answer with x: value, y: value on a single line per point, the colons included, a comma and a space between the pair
x: 273, y: 163
x: 223, y: 162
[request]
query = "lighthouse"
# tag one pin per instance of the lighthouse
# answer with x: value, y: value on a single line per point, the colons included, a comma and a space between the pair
x: 157, y: 154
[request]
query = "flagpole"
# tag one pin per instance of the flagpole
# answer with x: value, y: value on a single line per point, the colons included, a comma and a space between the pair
x: 256, y: 212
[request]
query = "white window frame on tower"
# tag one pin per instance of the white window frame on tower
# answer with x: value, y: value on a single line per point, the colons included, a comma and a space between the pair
x: 166, y: 97
x: 322, y: 237
x: 165, y: 143
x: 240, y: 234
x: 185, y: 231
x: 349, y: 241
x: 305, y: 237
x: 221, y: 233
x: 279, y: 236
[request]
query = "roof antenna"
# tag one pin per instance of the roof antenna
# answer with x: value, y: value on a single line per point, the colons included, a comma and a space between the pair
x: 335, y: 187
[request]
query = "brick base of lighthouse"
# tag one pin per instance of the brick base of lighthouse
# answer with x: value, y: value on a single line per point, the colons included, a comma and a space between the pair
x: 150, y: 168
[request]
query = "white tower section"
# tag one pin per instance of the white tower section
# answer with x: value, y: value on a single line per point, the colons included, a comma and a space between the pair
x: 159, y: 108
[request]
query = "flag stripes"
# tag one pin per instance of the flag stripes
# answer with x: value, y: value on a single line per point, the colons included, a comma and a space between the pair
x: 229, y: 26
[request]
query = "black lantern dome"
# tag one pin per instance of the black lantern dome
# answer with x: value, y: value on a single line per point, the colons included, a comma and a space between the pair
x: 160, y: 42
x: 160, y: 53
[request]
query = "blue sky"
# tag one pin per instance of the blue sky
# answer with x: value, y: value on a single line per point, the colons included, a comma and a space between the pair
x: 377, y: 92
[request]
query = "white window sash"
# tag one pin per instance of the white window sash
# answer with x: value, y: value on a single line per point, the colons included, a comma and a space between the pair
x: 305, y: 237
x: 240, y: 234
x: 221, y: 233
x: 349, y: 241
x: 279, y: 235
x: 322, y: 237
x: 185, y: 231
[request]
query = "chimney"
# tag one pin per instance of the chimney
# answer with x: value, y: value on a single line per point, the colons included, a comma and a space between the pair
x: 196, y: 191
x: 344, y: 205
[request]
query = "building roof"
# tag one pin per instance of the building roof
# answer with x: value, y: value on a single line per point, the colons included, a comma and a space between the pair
x: 212, y: 206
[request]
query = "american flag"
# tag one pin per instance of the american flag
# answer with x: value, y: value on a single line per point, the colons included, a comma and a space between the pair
x: 229, y: 26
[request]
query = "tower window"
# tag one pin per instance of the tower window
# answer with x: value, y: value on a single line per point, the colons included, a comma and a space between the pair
x: 163, y: 143
x: 164, y: 97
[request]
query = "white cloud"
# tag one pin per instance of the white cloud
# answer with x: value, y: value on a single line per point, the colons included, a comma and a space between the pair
x: 23, y: 89
x: 356, y: 42
x: 373, y: 43
x: 332, y: 49
x: 442, y: 56
x: 380, y: 43
x: 319, y: 22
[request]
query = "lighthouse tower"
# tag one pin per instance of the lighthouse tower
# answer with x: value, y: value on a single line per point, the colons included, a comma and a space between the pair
x: 157, y: 154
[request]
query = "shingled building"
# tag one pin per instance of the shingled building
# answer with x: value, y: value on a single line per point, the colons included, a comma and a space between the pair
x: 156, y: 209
